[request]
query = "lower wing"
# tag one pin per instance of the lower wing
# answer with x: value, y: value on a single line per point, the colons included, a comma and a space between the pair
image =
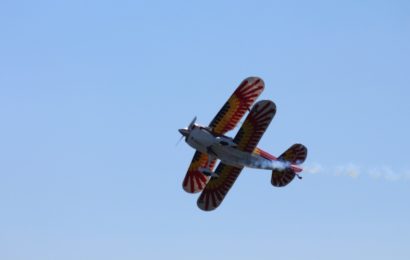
x: 194, y: 180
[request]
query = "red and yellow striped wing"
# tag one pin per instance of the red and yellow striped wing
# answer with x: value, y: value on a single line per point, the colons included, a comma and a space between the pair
x: 255, y: 125
x: 247, y: 139
x: 217, y: 188
x: 237, y: 105
x: 194, y: 180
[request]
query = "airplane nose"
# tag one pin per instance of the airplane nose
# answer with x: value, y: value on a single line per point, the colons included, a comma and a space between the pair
x: 183, y: 131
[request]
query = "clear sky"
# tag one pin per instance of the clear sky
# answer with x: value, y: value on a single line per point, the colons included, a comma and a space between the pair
x: 92, y: 94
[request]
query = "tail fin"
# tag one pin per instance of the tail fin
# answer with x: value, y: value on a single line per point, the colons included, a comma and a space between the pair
x: 296, y: 154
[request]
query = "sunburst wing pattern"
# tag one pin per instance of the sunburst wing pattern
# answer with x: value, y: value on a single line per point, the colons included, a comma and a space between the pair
x: 281, y: 178
x: 247, y: 139
x: 255, y: 125
x: 296, y: 154
x: 194, y: 180
x: 217, y: 188
x: 237, y: 105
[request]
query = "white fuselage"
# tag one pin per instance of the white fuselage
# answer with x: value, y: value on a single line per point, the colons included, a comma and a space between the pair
x: 224, y: 148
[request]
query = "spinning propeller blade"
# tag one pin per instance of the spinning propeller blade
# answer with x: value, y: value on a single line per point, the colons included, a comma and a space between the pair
x: 185, y: 131
x: 192, y: 124
x: 180, y: 139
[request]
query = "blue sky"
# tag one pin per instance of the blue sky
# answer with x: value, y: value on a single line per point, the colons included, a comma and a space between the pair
x: 92, y: 94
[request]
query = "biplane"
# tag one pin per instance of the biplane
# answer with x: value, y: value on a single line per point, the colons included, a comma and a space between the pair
x: 211, y: 144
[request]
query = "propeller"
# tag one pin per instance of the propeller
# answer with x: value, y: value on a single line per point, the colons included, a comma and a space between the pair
x: 191, y: 124
x: 186, y: 131
x: 180, y: 139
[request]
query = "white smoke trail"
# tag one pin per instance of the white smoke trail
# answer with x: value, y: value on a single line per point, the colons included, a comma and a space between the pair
x: 261, y: 163
x: 350, y: 170
x: 314, y: 168
x: 385, y: 173
x: 258, y: 162
x: 355, y: 171
x: 279, y: 165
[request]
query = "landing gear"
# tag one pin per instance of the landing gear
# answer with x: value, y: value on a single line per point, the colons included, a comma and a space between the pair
x: 211, y: 152
x: 207, y: 170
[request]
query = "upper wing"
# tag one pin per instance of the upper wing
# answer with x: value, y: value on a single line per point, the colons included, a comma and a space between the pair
x: 247, y: 139
x: 236, y: 106
x: 255, y: 125
x: 194, y: 180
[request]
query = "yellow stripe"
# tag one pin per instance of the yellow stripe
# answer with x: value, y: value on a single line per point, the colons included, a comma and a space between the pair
x: 234, y: 103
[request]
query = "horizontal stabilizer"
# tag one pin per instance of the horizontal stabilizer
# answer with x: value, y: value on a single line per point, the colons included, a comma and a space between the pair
x: 282, y: 177
x: 296, y: 154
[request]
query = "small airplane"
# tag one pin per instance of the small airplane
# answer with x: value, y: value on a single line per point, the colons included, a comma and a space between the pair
x: 211, y: 144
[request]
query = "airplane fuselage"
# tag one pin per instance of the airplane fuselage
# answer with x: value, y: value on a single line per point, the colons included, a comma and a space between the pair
x: 224, y: 148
